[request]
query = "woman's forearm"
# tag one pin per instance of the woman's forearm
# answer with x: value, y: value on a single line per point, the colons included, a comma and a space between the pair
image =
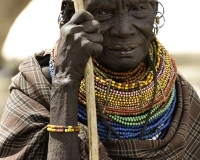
x: 64, y: 109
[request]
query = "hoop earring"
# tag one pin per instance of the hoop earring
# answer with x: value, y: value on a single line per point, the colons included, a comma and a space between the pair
x: 155, y: 29
x: 156, y: 25
x: 163, y: 12
x: 61, y: 20
x: 157, y: 19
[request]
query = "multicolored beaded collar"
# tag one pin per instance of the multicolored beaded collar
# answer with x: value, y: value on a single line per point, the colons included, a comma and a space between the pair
x: 131, y: 93
x: 125, y: 98
x: 130, y: 127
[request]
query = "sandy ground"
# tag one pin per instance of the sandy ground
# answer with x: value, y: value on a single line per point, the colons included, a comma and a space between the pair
x: 188, y: 65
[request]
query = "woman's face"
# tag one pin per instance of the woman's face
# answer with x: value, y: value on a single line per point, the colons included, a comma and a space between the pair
x: 126, y: 26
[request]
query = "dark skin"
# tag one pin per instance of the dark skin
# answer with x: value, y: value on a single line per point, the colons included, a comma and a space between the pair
x: 117, y: 33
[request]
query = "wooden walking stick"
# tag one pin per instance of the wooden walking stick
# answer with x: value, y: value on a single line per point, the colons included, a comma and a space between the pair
x: 90, y: 101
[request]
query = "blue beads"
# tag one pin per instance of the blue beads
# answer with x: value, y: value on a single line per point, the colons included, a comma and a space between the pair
x: 51, y: 69
x: 157, y: 126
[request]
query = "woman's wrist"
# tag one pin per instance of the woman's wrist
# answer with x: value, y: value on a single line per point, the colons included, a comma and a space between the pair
x: 64, y: 102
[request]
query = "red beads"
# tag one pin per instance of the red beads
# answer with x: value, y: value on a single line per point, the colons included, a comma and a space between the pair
x: 131, y: 92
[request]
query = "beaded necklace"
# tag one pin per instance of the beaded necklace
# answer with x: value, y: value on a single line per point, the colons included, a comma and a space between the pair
x: 125, y: 98
x: 157, y: 125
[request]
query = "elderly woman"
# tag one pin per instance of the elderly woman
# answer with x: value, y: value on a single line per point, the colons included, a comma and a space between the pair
x: 146, y: 110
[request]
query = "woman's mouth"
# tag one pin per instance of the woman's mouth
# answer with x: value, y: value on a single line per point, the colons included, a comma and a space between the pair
x: 123, y: 50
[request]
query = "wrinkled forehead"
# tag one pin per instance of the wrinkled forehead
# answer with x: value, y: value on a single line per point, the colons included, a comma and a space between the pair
x: 96, y: 2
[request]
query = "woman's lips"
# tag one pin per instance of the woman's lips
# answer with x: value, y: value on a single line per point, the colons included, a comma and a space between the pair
x: 123, y: 50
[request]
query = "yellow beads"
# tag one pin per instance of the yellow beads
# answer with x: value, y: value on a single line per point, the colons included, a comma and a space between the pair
x: 131, y: 92
x: 57, y: 128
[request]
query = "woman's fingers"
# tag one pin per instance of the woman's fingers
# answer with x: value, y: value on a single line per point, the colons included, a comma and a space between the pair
x: 92, y: 49
x: 80, y: 17
x: 94, y: 37
x: 91, y: 26
x: 84, y: 21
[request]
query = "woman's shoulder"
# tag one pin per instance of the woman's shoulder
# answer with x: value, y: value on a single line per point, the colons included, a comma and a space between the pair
x: 30, y: 79
x: 193, y: 95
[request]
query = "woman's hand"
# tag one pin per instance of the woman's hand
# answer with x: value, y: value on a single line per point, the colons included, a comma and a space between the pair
x: 79, y: 39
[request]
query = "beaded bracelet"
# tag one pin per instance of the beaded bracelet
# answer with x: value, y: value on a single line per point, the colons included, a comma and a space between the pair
x: 56, y: 128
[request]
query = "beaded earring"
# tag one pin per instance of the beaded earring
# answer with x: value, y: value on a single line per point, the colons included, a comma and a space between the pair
x: 61, y: 20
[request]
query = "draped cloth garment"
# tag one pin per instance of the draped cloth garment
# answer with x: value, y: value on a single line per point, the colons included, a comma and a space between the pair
x: 23, y: 134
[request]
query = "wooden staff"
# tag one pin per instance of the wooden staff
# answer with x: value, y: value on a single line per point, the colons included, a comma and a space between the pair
x: 90, y: 101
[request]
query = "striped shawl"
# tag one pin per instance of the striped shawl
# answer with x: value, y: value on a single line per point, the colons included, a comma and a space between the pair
x: 23, y: 134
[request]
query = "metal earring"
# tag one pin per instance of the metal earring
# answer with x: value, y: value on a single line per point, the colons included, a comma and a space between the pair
x: 155, y: 29
x: 159, y: 15
x: 163, y: 12
x: 61, y: 20
x: 157, y: 19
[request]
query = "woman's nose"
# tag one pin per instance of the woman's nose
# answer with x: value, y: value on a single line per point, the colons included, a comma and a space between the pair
x: 122, y: 28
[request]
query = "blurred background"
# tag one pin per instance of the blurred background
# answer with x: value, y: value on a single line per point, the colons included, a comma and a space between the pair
x: 28, y: 26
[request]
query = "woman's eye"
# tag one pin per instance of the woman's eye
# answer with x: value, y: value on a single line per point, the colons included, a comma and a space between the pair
x: 101, y: 13
x: 138, y: 11
x: 136, y: 8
